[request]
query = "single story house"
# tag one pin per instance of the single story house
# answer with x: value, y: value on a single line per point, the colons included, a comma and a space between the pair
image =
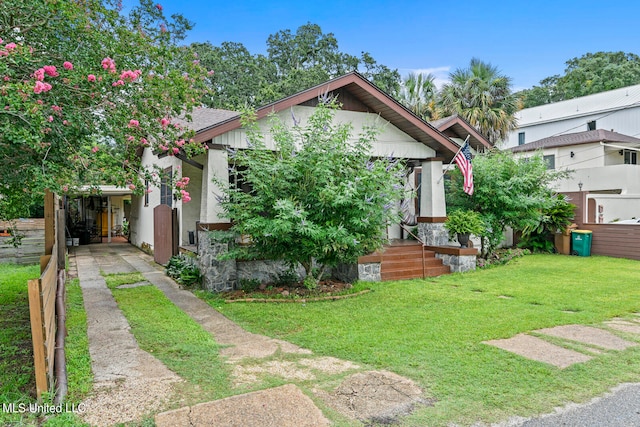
x: 404, y: 135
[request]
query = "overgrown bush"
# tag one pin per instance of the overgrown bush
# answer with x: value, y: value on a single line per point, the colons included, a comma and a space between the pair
x: 501, y: 257
x: 183, y: 270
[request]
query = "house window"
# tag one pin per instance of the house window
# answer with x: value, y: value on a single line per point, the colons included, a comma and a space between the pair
x: 146, y: 192
x: 591, y: 125
x: 521, y: 138
x: 550, y: 161
x: 166, y: 198
x: 630, y: 157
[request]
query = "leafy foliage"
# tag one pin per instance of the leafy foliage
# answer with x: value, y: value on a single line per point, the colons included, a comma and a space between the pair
x: 183, y: 269
x: 294, y: 62
x: 462, y: 221
x: 591, y: 73
x: 83, y: 89
x: 419, y: 94
x: 554, y: 217
x: 319, y: 196
x: 508, y: 192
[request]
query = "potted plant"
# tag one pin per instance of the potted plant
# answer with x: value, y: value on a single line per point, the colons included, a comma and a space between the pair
x: 462, y: 223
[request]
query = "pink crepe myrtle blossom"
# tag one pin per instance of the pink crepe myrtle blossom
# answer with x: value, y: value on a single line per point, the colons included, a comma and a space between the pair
x: 65, y: 188
x: 164, y: 122
x: 131, y: 138
x: 41, y: 87
x: 39, y: 74
x: 182, y: 183
x: 180, y: 143
x: 51, y: 70
x: 134, y: 123
x: 10, y: 46
x: 176, y: 150
x: 118, y: 83
x: 109, y: 64
x: 132, y: 186
x: 159, y: 7
x: 95, y: 149
x: 186, y: 197
x: 4, y: 53
x: 130, y: 75
x: 67, y: 65
x: 164, y: 147
x: 7, y: 78
x: 144, y: 141
x: 65, y: 122
x: 50, y: 119
x: 56, y: 108
x: 91, y: 78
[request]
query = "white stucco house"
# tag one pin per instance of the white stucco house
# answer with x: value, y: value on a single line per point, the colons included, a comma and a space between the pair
x: 615, y: 110
x: 604, y: 164
x: 423, y: 147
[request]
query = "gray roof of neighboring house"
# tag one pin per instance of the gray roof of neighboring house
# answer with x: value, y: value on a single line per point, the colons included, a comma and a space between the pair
x: 598, y: 135
x: 611, y: 100
x: 204, y: 117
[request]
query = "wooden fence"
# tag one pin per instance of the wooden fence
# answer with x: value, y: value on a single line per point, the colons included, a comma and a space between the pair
x: 42, y: 295
x: 611, y: 239
x: 31, y: 247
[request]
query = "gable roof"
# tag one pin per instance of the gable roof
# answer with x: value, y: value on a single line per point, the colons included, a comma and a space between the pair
x: 617, y: 99
x: 587, y: 137
x: 204, y: 117
x: 368, y: 97
x: 456, y: 127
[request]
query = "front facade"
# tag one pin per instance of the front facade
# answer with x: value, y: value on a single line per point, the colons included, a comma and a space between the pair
x: 403, y: 135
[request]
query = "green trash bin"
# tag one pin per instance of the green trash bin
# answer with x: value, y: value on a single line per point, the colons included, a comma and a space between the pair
x: 581, y: 242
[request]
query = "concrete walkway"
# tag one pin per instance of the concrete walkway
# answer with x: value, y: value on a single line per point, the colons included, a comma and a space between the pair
x: 131, y: 383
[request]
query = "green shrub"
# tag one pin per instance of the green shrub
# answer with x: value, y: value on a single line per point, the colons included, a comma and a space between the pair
x: 183, y: 270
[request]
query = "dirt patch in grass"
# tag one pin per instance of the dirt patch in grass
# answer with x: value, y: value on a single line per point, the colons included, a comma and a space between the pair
x: 326, y: 289
x: 375, y: 396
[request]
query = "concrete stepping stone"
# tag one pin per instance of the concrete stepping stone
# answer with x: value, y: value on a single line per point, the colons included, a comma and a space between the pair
x: 285, y: 406
x: 624, y: 326
x: 588, y: 335
x: 535, y: 348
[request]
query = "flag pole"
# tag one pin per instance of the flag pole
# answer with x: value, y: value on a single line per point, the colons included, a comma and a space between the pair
x: 453, y: 159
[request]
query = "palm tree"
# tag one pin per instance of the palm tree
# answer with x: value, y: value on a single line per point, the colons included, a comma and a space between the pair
x: 483, y: 97
x: 419, y: 93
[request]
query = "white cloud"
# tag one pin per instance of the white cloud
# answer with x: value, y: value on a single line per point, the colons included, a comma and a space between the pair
x: 441, y: 73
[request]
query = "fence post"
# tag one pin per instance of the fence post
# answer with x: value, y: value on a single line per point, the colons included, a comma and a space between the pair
x: 37, y: 336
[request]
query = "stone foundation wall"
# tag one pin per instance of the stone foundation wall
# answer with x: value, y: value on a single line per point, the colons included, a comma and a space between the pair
x: 369, y: 272
x: 264, y: 270
x: 433, y: 233
x: 218, y: 275
x: 458, y: 263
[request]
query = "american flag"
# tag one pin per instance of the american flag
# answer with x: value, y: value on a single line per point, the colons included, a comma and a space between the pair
x: 463, y: 160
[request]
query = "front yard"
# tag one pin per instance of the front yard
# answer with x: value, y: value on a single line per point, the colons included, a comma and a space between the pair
x: 432, y: 331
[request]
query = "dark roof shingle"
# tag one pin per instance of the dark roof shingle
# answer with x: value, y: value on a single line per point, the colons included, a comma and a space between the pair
x: 587, y: 137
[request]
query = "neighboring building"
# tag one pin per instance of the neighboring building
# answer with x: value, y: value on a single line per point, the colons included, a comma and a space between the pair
x: 403, y: 135
x: 615, y: 110
x: 604, y: 164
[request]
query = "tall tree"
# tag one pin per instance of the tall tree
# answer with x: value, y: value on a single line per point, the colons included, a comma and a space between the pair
x: 482, y: 96
x: 294, y: 62
x: 419, y: 94
x: 83, y: 89
x: 591, y: 73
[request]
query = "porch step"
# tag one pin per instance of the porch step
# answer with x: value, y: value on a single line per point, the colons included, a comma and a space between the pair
x: 403, y: 260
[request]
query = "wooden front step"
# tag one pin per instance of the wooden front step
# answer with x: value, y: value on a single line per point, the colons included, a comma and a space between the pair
x: 403, y: 260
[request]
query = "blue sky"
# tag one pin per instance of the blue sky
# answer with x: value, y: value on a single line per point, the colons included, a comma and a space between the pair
x: 526, y: 40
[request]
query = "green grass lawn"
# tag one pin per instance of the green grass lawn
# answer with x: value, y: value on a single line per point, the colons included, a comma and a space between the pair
x: 432, y: 331
x: 17, y: 378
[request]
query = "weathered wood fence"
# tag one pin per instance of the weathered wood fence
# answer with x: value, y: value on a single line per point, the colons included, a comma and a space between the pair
x: 42, y: 295
x: 31, y: 247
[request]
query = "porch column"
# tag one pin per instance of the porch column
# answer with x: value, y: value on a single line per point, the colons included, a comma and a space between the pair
x: 216, y: 167
x: 433, y: 210
x: 109, y: 225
